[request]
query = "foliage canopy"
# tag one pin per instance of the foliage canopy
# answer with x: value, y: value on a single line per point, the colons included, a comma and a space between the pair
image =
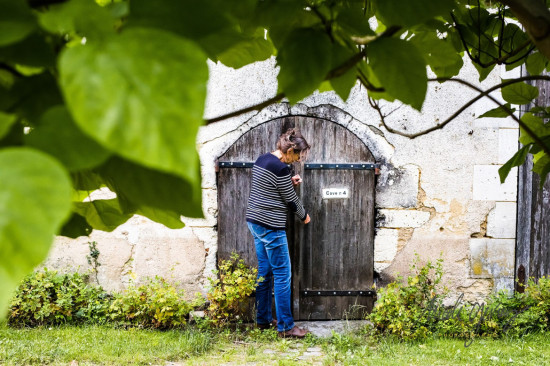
x: 111, y: 93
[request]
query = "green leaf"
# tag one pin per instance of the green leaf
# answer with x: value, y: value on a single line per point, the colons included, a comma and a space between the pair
x: 247, y: 52
x: 16, y: 21
x: 6, y: 121
x: 353, y: 21
x: 186, y: 18
x: 140, y: 186
x: 365, y: 70
x: 76, y: 226
x: 542, y: 167
x: 536, y: 125
x: 84, y: 17
x: 35, y: 199
x: 35, y: 95
x: 105, y: 215
x: 140, y: 94
x: 483, y: 71
x: 536, y: 63
x: 516, y: 160
x: 439, y: 54
x: 408, y: 13
x: 342, y: 84
x: 169, y: 219
x: 400, y: 68
x: 519, y: 93
x: 32, y: 51
x: 305, y: 61
x: 281, y: 18
x: 498, y: 112
x: 58, y: 136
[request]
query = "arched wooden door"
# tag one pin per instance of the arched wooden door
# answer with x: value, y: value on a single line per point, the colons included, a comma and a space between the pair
x: 332, y: 257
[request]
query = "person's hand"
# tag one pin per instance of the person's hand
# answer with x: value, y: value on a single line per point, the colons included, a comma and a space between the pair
x: 307, y: 220
x: 296, y: 180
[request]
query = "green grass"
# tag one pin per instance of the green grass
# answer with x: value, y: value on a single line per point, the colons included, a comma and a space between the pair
x: 106, y: 345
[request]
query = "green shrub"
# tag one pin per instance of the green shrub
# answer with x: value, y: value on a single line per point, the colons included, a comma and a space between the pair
x: 154, y: 304
x: 400, y: 309
x: 229, y: 291
x: 48, y: 298
x: 415, y: 310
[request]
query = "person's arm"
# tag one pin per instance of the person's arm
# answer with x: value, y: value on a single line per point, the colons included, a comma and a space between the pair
x: 286, y: 189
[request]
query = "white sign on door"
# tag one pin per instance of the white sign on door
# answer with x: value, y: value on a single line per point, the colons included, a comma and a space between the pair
x: 329, y: 193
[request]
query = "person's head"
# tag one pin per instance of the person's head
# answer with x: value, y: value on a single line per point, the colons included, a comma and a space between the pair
x: 293, y: 145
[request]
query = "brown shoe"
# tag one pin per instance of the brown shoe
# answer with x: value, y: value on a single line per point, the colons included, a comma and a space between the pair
x: 294, y: 333
x: 271, y: 325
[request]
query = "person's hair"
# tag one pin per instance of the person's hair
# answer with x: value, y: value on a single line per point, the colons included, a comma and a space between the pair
x: 292, y: 138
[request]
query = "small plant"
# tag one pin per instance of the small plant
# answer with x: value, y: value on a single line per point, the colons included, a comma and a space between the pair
x: 401, y: 308
x: 229, y: 291
x: 48, y: 298
x: 93, y: 257
x: 154, y: 304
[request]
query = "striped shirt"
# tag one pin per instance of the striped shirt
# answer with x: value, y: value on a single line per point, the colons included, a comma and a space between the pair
x: 272, y: 194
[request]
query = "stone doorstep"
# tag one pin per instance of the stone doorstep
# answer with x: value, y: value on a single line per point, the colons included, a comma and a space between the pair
x: 324, y: 328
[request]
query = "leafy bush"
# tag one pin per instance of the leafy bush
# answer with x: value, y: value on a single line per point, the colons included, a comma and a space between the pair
x: 154, y: 304
x: 401, y: 308
x: 49, y: 298
x: 415, y: 310
x: 229, y: 291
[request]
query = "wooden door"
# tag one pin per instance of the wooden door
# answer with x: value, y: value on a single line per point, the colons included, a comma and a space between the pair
x: 333, y: 254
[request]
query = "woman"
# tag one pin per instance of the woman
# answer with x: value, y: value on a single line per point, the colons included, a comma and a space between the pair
x: 271, y: 195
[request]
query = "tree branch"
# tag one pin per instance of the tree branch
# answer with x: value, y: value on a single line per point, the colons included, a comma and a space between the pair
x: 481, y: 94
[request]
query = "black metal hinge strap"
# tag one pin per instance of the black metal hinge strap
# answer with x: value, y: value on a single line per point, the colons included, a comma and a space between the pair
x: 355, y: 166
x: 235, y: 164
x: 308, y: 293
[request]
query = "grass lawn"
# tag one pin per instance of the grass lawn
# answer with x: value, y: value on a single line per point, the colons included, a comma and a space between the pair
x: 105, y: 345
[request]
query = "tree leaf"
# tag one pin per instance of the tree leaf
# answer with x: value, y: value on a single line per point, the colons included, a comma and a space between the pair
x: 35, y: 199
x: 247, y: 52
x: 35, y: 95
x: 105, y: 215
x: 6, y: 121
x: 186, y: 18
x: 305, y: 61
x: 143, y: 187
x: 32, y: 51
x: 140, y: 94
x: 516, y: 160
x: 169, y: 219
x: 342, y: 84
x: 408, y: 13
x: 400, y: 68
x: 76, y: 226
x: 83, y: 17
x: 519, y: 93
x: 16, y: 21
x: 542, y: 167
x: 536, y: 63
x: 483, y: 71
x: 498, y: 112
x: 438, y: 53
x: 535, y: 124
x: 58, y: 136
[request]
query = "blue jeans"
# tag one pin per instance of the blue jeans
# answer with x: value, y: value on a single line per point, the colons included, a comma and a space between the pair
x: 273, y: 263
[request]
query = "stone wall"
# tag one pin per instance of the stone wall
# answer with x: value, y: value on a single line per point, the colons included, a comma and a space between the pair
x: 437, y: 195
